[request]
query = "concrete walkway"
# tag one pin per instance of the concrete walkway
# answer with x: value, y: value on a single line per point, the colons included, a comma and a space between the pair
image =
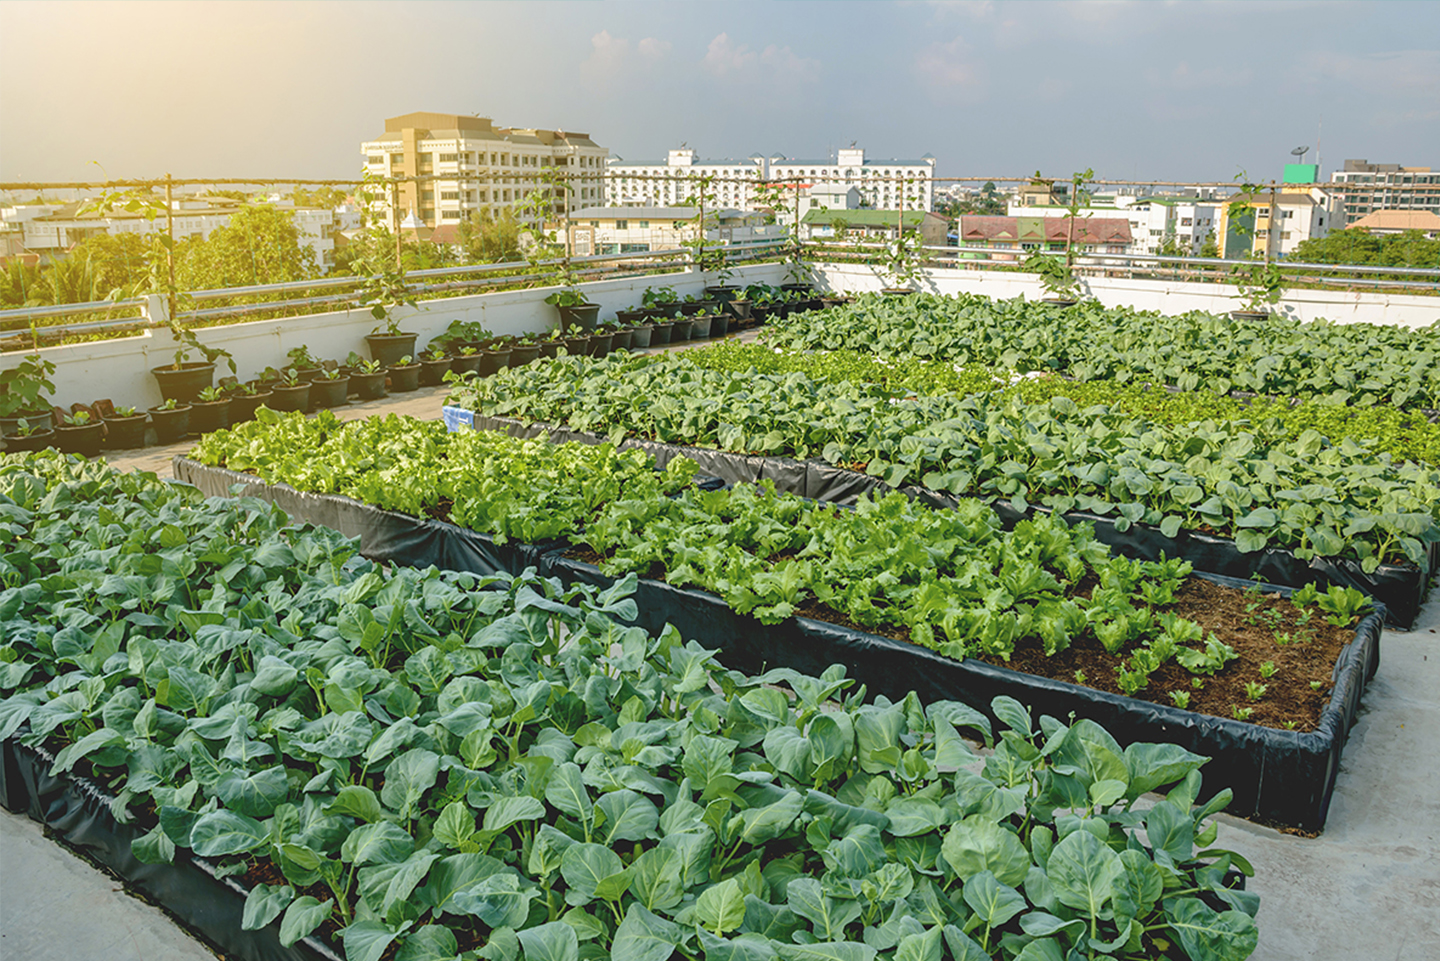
x: 1369, y: 887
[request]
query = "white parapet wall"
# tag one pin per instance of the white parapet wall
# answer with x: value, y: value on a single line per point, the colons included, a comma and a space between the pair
x: 119, y: 370
x: 1165, y: 296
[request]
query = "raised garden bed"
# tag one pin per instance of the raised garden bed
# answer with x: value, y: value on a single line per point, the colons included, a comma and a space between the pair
x: 1400, y: 588
x: 1279, y: 776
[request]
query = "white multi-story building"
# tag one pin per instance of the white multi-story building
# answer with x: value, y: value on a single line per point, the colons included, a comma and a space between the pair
x: 51, y: 230
x: 1301, y: 212
x: 883, y: 184
x: 477, y: 166
x: 1370, y: 187
x: 1154, y: 220
x: 651, y: 183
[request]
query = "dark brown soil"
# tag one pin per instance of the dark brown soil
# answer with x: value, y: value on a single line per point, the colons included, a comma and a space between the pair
x: 1248, y: 622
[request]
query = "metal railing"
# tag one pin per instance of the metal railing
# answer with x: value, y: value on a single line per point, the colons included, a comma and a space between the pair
x: 18, y: 322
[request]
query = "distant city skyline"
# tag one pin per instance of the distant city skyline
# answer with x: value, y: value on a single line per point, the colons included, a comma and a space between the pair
x: 1175, y: 91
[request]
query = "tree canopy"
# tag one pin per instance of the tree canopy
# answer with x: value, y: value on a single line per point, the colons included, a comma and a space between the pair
x: 1358, y: 246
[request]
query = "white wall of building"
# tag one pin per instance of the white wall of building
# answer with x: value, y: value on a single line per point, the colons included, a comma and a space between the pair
x: 1169, y: 297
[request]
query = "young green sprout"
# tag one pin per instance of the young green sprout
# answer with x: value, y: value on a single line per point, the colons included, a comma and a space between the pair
x: 1254, y: 690
x: 1267, y: 670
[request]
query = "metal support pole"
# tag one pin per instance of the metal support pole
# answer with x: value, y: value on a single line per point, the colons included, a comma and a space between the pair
x: 395, y: 221
x: 170, y: 245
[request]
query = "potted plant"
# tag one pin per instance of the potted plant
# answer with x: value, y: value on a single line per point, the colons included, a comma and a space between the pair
x: 28, y: 437
x: 24, y: 391
x: 79, y: 433
x: 405, y: 375
x: 332, y: 387
x: 384, y: 291
x: 1056, y: 278
x: 901, y: 264
x: 551, y: 341
x: 307, y: 367
x: 619, y: 335
x: 701, y: 321
x: 367, y: 377
x: 575, y: 311
x: 246, y: 399
x: 171, y: 420
x: 640, y: 332
x: 125, y: 429
x: 290, y: 392
x: 724, y: 291
x: 1261, y: 286
x: 575, y: 343
x: 434, y: 363
x: 465, y: 360
x: 210, y: 411
x: 662, y: 302
x: 493, y: 359
x: 600, y: 341
x: 184, y: 379
x: 525, y: 349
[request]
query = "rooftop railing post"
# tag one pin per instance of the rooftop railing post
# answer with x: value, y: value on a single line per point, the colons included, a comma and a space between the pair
x: 170, y: 244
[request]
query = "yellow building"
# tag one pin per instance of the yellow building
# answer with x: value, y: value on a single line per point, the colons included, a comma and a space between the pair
x: 477, y: 166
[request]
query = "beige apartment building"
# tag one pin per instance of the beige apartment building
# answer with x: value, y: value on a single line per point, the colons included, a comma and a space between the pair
x: 478, y: 166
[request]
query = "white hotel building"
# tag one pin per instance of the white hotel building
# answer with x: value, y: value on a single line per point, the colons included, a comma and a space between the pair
x: 883, y: 184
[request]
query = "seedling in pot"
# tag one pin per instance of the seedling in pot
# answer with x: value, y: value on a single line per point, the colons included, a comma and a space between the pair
x: 125, y: 412
x: 78, y: 419
x: 210, y: 395
x: 435, y: 354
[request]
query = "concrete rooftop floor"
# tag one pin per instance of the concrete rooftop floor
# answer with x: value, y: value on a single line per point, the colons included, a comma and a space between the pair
x: 1368, y: 887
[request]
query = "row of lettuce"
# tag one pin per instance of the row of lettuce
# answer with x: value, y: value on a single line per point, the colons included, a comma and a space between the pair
x: 428, y: 765
x: 1403, y: 434
x: 1347, y: 364
x: 954, y: 581
x: 1264, y: 483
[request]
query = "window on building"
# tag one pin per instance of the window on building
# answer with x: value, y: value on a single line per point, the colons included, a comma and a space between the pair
x: 634, y: 248
x: 449, y: 195
x: 397, y: 159
x: 375, y: 159
x: 644, y: 225
x: 427, y: 195
x: 449, y: 215
x: 622, y: 225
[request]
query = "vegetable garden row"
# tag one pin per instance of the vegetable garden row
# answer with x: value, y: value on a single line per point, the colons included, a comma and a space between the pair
x: 879, y: 587
x: 426, y: 765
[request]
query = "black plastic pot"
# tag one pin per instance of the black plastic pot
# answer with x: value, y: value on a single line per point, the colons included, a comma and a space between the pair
x: 170, y: 425
x: 332, y: 393
x: 549, y: 348
x: 244, y: 406
x: 660, y: 332
x: 600, y: 343
x: 369, y: 386
x: 576, y: 346
x: 493, y: 361
x: 1253, y: 315
x: 640, y: 336
x: 126, y: 433
x: 722, y: 293
x: 83, y: 440
x: 404, y: 379
x: 522, y: 354
x: 694, y: 307
x: 799, y: 288
x: 184, y: 384
x: 308, y: 374
x: 579, y: 316
x: 387, y: 349
x: 631, y: 316
x: 680, y: 331
x: 719, y: 324
x: 288, y: 398
x: 1059, y: 302
x: 739, y: 309
x: 432, y: 372
x: 34, y: 419
x: 620, y: 339
x: 897, y: 291
x: 700, y: 326
x: 39, y: 440
x: 207, y: 416
x: 463, y: 364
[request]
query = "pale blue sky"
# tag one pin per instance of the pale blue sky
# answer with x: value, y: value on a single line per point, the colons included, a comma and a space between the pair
x: 1180, y: 90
